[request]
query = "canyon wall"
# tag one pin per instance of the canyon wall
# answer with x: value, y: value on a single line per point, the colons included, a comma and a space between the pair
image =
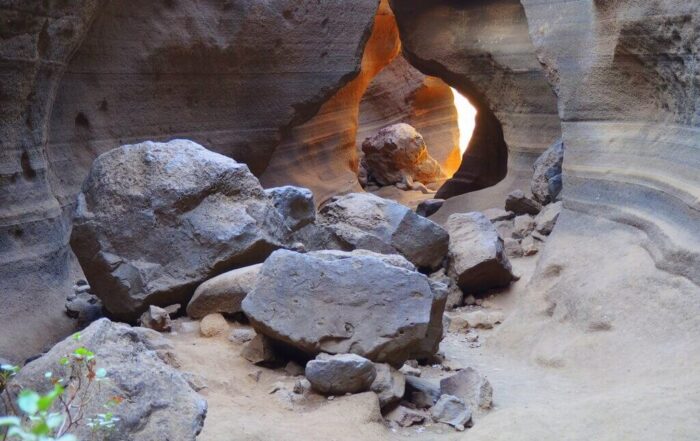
x: 483, y: 49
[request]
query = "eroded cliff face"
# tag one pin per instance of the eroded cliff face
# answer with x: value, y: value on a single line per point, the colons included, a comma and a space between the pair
x: 231, y: 75
x: 37, y: 40
x: 483, y: 49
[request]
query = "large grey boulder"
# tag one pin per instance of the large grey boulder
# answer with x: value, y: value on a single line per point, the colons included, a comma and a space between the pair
x: 156, y: 219
x: 365, y: 221
x: 157, y: 401
x: 340, y: 302
x: 295, y: 204
x: 340, y: 374
x: 477, y: 258
x: 223, y: 293
x: 547, y: 172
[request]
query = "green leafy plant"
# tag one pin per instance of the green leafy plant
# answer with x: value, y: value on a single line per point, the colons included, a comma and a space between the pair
x: 51, y: 417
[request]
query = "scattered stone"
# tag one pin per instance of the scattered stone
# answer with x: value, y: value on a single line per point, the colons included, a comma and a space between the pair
x: 421, y: 392
x: 295, y: 204
x: 548, y: 168
x: 407, y: 369
x: 476, y: 319
x: 476, y: 258
x: 429, y: 207
x: 519, y: 204
x: 523, y: 225
x: 302, y: 386
x: 455, y: 296
x: 512, y: 247
x: 366, y: 221
x: 469, y: 386
x: 242, y: 335
x: 156, y: 219
x: 405, y: 417
x: 213, y: 325
x: 471, y: 337
x: 397, y: 154
x: 294, y: 369
x: 157, y: 319
x: 530, y: 246
x: 340, y: 374
x: 547, y: 218
x: 498, y: 214
x: 451, y: 410
x: 389, y: 314
x: 134, y: 360
x: 84, y: 307
x: 260, y: 351
x: 389, y: 385
x: 223, y: 293
x: 173, y: 309
x: 79, y: 289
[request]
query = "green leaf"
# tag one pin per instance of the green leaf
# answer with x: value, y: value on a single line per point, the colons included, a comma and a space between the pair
x: 10, y: 421
x: 64, y: 361
x: 28, y: 401
x: 77, y: 336
x: 9, y: 368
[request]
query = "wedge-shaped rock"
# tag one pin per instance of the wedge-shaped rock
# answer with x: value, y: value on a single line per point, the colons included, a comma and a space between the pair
x: 389, y: 385
x: 547, y: 171
x: 365, y: 221
x: 154, y: 220
x: 224, y: 293
x: 469, y: 386
x: 476, y: 258
x: 340, y: 374
x: 340, y: 302
x: 545, y: 221
x: 156, y: 401
x: 451, y: 410
x: 519, y: 203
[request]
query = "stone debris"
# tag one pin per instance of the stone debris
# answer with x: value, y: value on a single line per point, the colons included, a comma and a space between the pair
x: 519, y: 204
x: 470, y: 387
x: 223, y: 293
x: 389, y: 385
x: 157, y: 319
x: 451, y: 410
x: 340, y: 374
x: 295, y: 204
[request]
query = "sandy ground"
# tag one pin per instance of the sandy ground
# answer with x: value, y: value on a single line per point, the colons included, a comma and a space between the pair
x: 607, y: 353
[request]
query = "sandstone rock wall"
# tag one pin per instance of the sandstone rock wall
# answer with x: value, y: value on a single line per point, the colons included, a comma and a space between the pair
x: 483, y: 49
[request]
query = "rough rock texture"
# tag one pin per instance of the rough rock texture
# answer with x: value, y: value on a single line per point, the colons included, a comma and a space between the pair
x: 451, y: 410
x: 523, y: 225
x: 469, y: 386
x: 156, y: 318
x: 158, y: 403
x: 421, y: 392
x: 397, y: 154
x: 406, y: 417
x: 545, y: 221
x: 213, y: 325
x: 400, y: 93
x: 223, y: 293
x: 36, y: 43
x: 260, y: 350
x: 230, y: 75
x: 387, y: 314
x: 493, y: 63
x: 547, y: 170
x: 477, y: 257
x: 340, y: 374
x: 156, y: 219
x: 295, y: 204
x: 365, y: 221
x: 429, y: 206
x: 519, y: 203
x: 389, y: 385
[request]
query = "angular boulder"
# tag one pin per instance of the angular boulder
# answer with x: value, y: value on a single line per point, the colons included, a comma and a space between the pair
x: 157, y: 402
x: 451, y: 410
x: 340, y: 302
x: 365, y: 221
x: 154, y: 220
x: 429, y: 207
x: 389, y: 385
x: 523, y: 225
x: 545, y: 221
x: 223, y: 293
x: 519, y: 203
x: 469, y: 386
x: 476, y: 258
x: 340, y: 374
x: 295, y: 204
x: 547, y: 170
x: 397, y: 154
x: 421, y: 392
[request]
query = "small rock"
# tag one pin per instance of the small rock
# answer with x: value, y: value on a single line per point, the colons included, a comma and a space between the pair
x: 260, y: 351
x: 455, y: 296
x: 195, y: 381
x: 302, y: 386
x: 389, y: 385
x: 545, y: 221
x: 470, y: 300
x: 471, y: 337
x: 407, y: 369
x: 512, y: 247
x: 469, y: 386
x: 548, y: 169
x: 255, y: 375
x: 451, y: 410
x: 79, y: 289
x: 476, y: 319
x: 295, y: 204
x: 242, y: 335
x: 405, y: 417
x: 523, y: 225
x: 422, y: 393
x: 213, y: 325
x: 530, y: 246
x: 223, y: 293
x: 340, y: 374
x: 519, y: 204
x: 81, y: 282
x: 498, y: 214
x: 294, y: 369
x: 156, y: 318
x: 429, y: 207
x: 172, y: 309
x: 84, y: 307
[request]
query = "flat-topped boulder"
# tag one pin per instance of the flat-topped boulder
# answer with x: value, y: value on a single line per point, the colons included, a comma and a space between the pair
x: 339, y: 302
x: 154, y: 220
